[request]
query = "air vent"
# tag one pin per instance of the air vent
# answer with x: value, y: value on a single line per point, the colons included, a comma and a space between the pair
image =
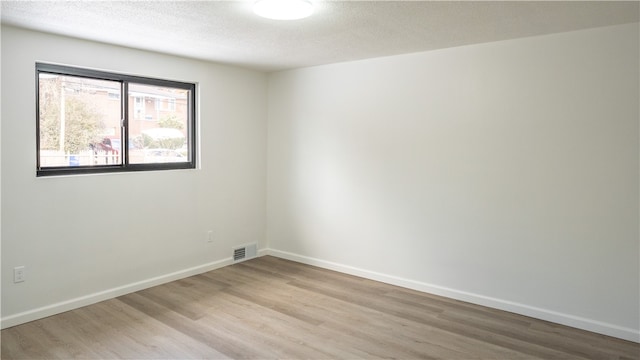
x: 244, y: 252
x: 239, y: 254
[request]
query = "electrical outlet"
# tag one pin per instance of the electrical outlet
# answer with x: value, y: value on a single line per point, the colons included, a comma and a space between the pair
x: 19, y: 274
x: 210, y: 236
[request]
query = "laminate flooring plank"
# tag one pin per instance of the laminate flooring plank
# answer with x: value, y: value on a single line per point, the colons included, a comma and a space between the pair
x: 412, y: 297
x: 617, y: 347
x: 420, y: 316
x: 149, y: 332
x: 257, y: 319
x: 280, y: 324
x: 262, y: 336
x: 364, y: 300
x: 308, y: 332
x: 263, y: 272
x: 178, y: 299
x: 219, y: 340
x: 366, y: 326
x: 124, y: 339
x: 72, y: 326
x: 315, y: 274
x: 299, y: 306
x: 551, y: 342
x: 27, y: 341
x: 418, y: 338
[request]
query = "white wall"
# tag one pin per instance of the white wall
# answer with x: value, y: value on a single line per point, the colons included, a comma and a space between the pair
x: 84, y: 238
x: 503, y: 173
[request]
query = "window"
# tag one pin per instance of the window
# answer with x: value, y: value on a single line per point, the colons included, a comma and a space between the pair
x: 93, y: 121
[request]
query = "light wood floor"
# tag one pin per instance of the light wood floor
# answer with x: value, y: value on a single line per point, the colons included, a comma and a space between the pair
x: 269, y: 308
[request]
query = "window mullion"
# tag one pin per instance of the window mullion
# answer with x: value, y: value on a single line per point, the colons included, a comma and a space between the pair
x: 124, y: 128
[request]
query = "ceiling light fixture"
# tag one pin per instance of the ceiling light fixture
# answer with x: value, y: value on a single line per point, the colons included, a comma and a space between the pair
x: 283, y: 9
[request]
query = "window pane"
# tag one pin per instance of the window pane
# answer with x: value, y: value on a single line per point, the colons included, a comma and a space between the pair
x: 79, y: 121
x: 158, y: 124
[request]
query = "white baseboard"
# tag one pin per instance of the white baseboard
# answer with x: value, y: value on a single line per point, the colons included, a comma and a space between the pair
x: 71, y: 304
x: 522, y: 309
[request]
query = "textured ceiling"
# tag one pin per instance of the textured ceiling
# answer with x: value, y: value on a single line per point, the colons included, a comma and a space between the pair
x: 229, y: 32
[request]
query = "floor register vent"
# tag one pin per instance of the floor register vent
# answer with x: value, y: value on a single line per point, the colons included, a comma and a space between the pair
x: 244, y: 252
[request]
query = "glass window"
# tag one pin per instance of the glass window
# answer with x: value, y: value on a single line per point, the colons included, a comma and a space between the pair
x: 78, y: 121
x: 165, y: 139
x: 85, y: 124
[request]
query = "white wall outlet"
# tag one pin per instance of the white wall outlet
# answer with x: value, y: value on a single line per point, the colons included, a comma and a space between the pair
x: 19, y: 274
x: 210, y: 236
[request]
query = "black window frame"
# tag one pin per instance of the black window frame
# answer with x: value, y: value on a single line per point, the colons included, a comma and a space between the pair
x: 124, y: 79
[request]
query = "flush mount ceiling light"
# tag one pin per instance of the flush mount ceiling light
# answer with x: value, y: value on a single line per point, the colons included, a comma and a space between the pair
x: 283, y: 9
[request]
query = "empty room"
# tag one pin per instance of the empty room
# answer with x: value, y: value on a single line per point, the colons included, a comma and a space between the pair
x: 341, y: 180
